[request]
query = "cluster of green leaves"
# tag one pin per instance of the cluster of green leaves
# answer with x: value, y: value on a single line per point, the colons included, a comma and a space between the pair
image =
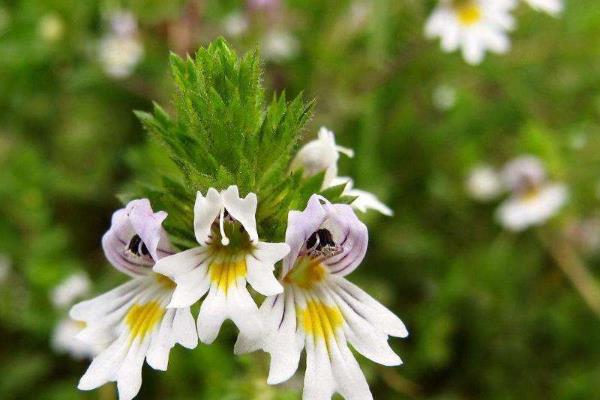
x: 222, y: 134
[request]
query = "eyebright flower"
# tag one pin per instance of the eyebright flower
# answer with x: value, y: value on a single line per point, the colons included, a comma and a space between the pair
x: 132, y: 320
x: 364, y: 200
x: 74, y: 287
x: 320, y: 311
x: 321, y: 155
x: 120, y: 50
x: 533, y: 199
x: 552, y: 7
x: 473, y: 25
x: 230, y: 254
x: 64, y: 340
x: 484, y: 183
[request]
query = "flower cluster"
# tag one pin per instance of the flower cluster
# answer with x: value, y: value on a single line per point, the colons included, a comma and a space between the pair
x: 311, y: 306
x: 532, y: 201
x: 476, y: 26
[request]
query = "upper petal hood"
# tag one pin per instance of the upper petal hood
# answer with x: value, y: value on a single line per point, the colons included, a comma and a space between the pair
x: 349, y: 235
x: 136, y: 238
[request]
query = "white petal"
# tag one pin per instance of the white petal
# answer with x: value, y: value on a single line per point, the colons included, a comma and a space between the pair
x: 366, y: 200
x: 260, y: 277
x: 190, y: 287
x: 97, y: 307
x: 350, y: 380
x: 161, y: 343
x: 319, y: 383
x: 184, y: 328
x: 365, y: 337
x: 129, y: 377
x: 212, y: 314
x: 182, y: 262
x: 206, y: 210
x: 243, y: 311
x: 372, y: 310
x: 243, y: 210
x: 103, y: 367
x: 285, y: 343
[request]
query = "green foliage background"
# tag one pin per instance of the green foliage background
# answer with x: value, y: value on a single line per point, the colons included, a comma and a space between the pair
x: 491, y: 316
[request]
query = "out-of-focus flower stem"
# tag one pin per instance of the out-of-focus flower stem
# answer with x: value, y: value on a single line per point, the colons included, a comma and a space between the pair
x: 574, y: 268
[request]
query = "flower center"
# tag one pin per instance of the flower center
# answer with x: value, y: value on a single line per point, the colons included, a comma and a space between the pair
x: 226, y: 269
x: 320, y: 320
x: 227, y: 232
x: 137, y: 247
x: 142, y: 318
x: 468, y: 12
x: 165, y: 281
x: 307, y: 272
x: 321, y: 245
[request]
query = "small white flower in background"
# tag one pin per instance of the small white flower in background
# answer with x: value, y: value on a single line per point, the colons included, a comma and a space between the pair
x: 475, y: 26
x: 322, y: 155
x: 74, y: 287
x: 51, y: 28
x: 229, y: 256
x: 5, y: 267
x: 235, y: 24
x: 552, y: 7
x: 533, y: 199
x: 320, y: 311
x: 265, y: 5
x: 120, y: 50
x: 444, y: 97
x: 279, y: 46
x: 364, y: 200
x: 131, y: 322
x: 484, y: 183
x: 64, y: 340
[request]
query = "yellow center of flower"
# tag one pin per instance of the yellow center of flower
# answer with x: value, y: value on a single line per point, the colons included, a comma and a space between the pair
x: 142, y: 318
x: 531, y: 194
x: 165, y: 282
x: 80, y: 324
x: 320, y: 320
x: 468, y: 12
x: 224, y: 272
x: 306, y: 273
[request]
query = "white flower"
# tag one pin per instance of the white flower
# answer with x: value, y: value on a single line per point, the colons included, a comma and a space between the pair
x: 64, y: 340
x: 235, y: 24
x: 533, y: 200
x: 119, y: 55
x: 444, y: 97
x: 484, y: 183
x: 74, y: 287
x: 473, y: 25
x: 320, y: 155
x: 279, y: 46
x: 132, y: 322
x: 364, y: 200
x: 229, y: 256
x: 552, y: 7
x: 120, y: 50
x: 320, y: 311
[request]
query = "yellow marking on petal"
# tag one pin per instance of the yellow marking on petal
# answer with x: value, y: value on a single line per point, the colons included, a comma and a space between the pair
x: 469, y: 13
x: 165, y: 282
x: 320, y: 320
x: 142, y: 318
x: 80, y: 324
x: 531, y: 195
x: 226, y: 271
x: 306, y: 273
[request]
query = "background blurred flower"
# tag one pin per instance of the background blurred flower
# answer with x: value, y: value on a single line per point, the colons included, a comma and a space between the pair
x: 74, y: 287
x: 484, y: 183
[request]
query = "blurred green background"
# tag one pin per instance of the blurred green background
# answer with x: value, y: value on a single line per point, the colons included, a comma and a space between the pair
x: 490, y: 313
